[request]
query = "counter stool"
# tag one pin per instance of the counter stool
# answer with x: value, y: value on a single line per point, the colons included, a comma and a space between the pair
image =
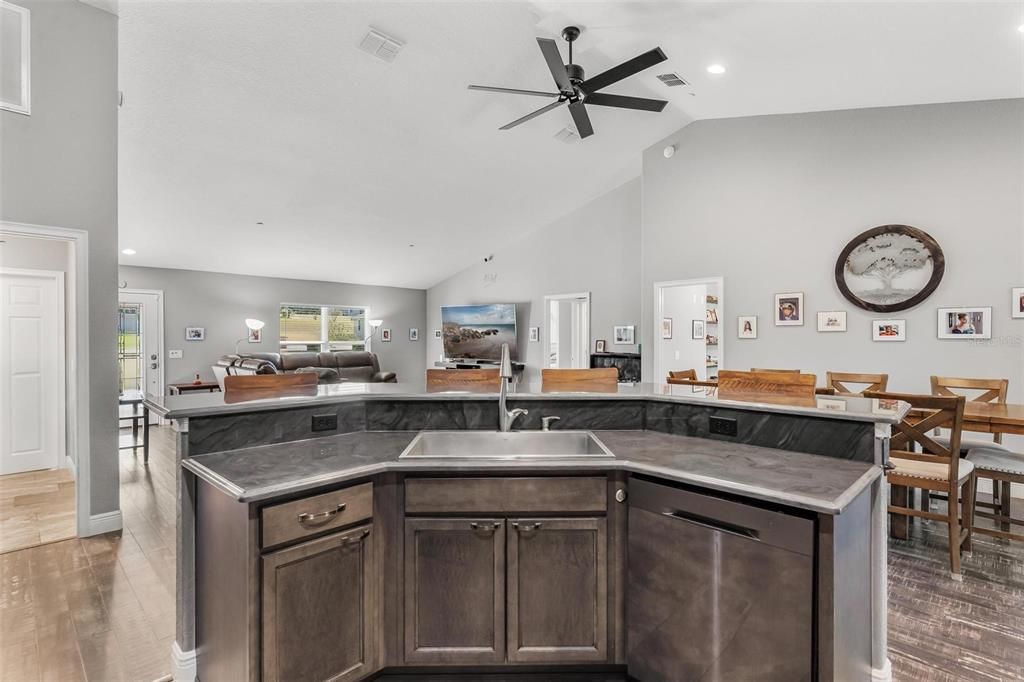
x: 1002, y: 468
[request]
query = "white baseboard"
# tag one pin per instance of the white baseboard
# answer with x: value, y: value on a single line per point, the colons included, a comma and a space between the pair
x: 69, y: 464
x: 104, y: 523
x: 183, y: 664
x: 883, y: 675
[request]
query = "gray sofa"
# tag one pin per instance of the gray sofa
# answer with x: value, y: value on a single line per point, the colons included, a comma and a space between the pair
x: 330, y: 367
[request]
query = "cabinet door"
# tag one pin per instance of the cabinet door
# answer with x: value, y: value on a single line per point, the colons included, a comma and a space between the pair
x: 557, y: 590
x: 319, y: 619
x: 454, y: 590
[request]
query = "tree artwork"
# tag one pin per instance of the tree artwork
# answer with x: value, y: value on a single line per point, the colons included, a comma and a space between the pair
x: 889, y: 268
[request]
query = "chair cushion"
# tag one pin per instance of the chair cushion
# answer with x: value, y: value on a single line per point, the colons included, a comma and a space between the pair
x: 934, y: 471
x: 996, y: 459
x: 968, y: 444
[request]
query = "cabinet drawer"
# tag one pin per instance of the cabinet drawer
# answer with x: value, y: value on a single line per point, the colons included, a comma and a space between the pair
x: 505, y: 495
x: 312, y: 515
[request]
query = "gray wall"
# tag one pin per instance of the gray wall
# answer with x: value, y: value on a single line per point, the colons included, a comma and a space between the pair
x: 595, y: 248
x: 58, y: 167
x: 221, y: 303
x: 769, y: 202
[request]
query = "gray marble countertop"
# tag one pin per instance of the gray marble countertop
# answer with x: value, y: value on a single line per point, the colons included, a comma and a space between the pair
x: 202, y: 404
x: 811, y: 482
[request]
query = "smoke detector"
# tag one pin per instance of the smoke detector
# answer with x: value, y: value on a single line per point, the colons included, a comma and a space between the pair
x: 380, y: 45
x: 672, y: 80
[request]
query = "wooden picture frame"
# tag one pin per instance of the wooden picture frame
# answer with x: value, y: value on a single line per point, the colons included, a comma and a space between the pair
x: 886, y: 253
x: 600, y: 346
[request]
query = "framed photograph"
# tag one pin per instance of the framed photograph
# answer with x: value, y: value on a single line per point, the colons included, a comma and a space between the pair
x: 600, y: 346
x: 965, y: 323
x: 697, y: 329
x: 889, y: 268
x: 414, y: 334
x: 888, y: 330
x: 385, y: 335
x: 713, y: 300
x: 746, y: 327
x: 1017, y: 301
x: 255, y: 335
x: 195, y: 333
x: 624, y: 335
x: 534, y: 334
x: 437, y: 333
x: 16, y: 84
x: 789, y: 309
x: 666, y: 327
x: 832, y: 321
x: 711, y: 316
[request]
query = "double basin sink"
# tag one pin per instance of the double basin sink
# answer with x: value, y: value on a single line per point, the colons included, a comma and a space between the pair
x: 511, y: 445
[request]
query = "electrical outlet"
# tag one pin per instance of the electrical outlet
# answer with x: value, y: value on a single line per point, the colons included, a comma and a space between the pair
x: 174, y: 354
x: 325, y: 422
x: 723, y: 426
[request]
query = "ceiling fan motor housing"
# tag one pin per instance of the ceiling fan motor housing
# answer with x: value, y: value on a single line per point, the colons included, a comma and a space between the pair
x: 575, y: 72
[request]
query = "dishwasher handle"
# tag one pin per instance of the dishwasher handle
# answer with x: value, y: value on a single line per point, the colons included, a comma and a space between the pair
x: 713, y: 524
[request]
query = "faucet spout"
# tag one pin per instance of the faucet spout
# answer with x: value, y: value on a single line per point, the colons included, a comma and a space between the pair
x: 505, y: 371
x: 506, y: 417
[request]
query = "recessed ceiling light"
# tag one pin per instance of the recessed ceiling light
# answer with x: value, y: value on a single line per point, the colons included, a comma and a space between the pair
x: 128, y: 252
x: 716, y: 69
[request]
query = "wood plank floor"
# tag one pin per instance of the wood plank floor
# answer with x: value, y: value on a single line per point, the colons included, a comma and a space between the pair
x: 36, y: 507
x: 102, y: 609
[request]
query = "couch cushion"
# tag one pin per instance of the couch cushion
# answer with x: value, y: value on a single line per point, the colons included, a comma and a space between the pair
x: 324, y: 375
x: 350, y: 358
x: 360, y: 374
x: 292, y: 361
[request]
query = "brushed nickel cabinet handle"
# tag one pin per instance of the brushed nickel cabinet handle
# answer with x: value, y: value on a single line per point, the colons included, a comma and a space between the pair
x: 486, y: 526
x: 526, y: 527
x: 321, y: 517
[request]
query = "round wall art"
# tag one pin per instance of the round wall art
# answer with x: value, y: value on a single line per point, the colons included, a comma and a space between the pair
x: 890, y: 268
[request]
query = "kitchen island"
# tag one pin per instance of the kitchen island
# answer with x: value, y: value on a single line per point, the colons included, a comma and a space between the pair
x: 725, y: 539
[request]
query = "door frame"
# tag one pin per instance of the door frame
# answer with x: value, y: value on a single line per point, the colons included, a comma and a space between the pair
x: 159, y: 293
x: 57, y: 277
x: 77, y: 381
x: 659, y: 313
x: 584, y: 331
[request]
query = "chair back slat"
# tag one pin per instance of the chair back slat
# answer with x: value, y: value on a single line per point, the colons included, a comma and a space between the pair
x: 690, y: 374
x: 927, y: 412
x: 775, y: 371
x: 463, y: 380
x: 992, y: 391
x: 750, y: 385
x: 839, y: 381
x: 599, y: 378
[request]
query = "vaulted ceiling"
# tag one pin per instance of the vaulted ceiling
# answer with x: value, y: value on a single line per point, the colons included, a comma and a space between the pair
x: 256, y: 138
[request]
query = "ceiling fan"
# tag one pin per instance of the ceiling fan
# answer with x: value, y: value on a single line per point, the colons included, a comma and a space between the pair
x: 578, y: 91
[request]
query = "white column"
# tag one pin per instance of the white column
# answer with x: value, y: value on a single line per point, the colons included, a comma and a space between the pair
x: 881, y: 668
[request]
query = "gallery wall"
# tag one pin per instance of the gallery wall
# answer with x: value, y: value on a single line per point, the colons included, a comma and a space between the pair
x: 222, y: 302
x: 769, y: 202
x: 595, y: 248
x: 59, y: 168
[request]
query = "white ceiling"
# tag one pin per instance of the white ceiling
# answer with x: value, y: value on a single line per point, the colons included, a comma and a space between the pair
x: 240, y: 112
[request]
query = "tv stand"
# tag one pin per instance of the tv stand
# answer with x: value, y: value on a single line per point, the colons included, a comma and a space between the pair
x: 456, y: 363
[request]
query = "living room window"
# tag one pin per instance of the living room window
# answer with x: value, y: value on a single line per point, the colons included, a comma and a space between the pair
x: 306, y: 327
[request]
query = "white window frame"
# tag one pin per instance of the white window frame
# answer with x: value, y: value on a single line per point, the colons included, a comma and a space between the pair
x: 325, y: 343
x: 25, y: 105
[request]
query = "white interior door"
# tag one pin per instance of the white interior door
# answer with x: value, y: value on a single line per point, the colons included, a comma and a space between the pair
x: 31, y: 370
x: 567, y: 330
x: 140, y: 342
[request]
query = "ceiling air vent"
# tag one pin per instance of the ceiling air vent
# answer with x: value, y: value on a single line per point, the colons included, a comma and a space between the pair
x: 671, y: 79
x: 381, y: 46
x: 566, y: 135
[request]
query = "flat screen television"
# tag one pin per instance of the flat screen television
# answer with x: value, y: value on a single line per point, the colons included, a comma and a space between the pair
x: 476, y: 332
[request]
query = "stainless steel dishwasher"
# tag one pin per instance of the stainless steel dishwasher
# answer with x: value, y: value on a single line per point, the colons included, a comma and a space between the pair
x: 718, y: 590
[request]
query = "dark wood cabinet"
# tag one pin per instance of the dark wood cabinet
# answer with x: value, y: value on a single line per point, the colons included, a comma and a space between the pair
x: 454, y: 590
x: 318, y: 609
x: 557, y: 590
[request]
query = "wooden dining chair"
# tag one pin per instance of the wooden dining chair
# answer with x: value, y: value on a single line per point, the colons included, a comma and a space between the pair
x: 247, y: 387
x: 992, y: 391
x: 603, y: 379
x: 751, y: 385
x: 839, y: 381
x: 776, y: 371
x: 1003, y: 468
x: 482, y: 380
x: 937, y: 467
x: 690, y: 374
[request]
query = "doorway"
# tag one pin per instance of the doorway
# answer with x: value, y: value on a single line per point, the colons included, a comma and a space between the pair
x: 140, y: 337
x: 688, y: 316
x: 567, y: 331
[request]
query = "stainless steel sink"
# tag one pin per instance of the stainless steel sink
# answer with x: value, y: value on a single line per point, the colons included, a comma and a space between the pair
x: 505, y: 445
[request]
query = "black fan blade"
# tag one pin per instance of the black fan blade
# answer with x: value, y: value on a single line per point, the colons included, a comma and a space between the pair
x: 623, y: 70
x: 526, y: 118
x: 621, y: 101
x: 581, y: 119
x: 553, y: 57
x: 512, y: 91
